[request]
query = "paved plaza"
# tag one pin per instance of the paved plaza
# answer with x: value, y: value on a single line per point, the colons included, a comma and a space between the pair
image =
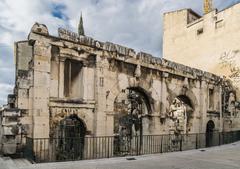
x: 222, y: 157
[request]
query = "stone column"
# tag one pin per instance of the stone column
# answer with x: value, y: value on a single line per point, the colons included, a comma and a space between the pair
x: 100, y: 97
x: 164, y: 104
x: 200, y: 105
x: 164, y: 95
x: 204, y: 105
x: 41, y: 89
x: 61, y: 78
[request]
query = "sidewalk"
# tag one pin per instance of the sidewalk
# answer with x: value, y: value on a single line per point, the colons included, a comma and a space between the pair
x: 221, y: 157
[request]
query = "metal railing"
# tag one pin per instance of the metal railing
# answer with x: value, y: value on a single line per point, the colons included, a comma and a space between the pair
x: 69, y: 149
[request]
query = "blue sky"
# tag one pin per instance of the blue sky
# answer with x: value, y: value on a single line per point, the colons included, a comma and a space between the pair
x: 133, y: 23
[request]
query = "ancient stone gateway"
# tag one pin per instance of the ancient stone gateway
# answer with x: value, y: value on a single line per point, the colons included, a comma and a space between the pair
x: 73, y: 86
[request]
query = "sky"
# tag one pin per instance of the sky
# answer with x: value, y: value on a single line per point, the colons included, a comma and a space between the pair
x: 133, y: 23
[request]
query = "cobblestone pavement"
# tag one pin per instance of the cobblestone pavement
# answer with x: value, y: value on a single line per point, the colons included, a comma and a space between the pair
x: 222, y: 157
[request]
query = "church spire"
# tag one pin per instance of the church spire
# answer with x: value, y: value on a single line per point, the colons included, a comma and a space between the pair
x: 80, y: 26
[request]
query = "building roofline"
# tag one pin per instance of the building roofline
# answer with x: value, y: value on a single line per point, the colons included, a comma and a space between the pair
x: 185, y: 9
x: 194, y: 12
x: 164, y: 63
x: 21, y: 41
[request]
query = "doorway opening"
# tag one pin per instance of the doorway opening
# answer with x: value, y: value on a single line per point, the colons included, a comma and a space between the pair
x: 209, y: 133
x: 130, y: 106
x: 72, y: 131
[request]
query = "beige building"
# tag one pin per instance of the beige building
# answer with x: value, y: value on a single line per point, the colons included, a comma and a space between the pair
x: 209, y: 42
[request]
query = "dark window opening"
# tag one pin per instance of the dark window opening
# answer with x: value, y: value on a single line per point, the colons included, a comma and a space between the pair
x: 211, y: 99
x: 200, y: 31
x: 210, y: 133
x: 219, y: 24
x: 54, y: 71
x: 72, y: 78
x: 101, y: 81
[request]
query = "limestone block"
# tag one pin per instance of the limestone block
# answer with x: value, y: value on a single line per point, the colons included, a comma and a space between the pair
x: 9, y: 148
x: 41, y: 92
x: 11, y: 113
x: 41, y: 63
x: 22, y: 93
x: 156, y: 90
x: 23, y: 56
x: 6, y: 121
x: 7, y: 130
x: 123, y: 81
x: 40, y: 28
x: 41, y: 127
x: 40, y: 49
x: 23, y: 103
x: 54, y: 88
x: 88, y: 84
x: 109, y: 125
x: 40, y: 111
x: 41, y: 131
x: 41, y: 79
x: 67, y: 51
x: 23, y: 83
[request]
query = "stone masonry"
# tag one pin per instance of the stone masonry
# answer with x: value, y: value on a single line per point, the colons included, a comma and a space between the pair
x: 76, y: 79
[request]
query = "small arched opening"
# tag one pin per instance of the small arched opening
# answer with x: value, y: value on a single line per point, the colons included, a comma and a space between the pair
x: 210, y: 133
x: 189, y: 107
x: 72, y: 131
x: 181, y: 113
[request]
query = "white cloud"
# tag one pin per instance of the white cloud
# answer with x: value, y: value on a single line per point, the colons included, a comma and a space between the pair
x: 5, y: 89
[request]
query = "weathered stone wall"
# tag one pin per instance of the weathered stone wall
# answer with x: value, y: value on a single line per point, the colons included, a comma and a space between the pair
x: 79, y: 75
x: 106, y: 70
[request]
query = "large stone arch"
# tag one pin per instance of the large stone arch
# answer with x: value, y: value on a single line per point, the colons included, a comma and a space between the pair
x: 114, y: 92
x: 76, y: 126
x: 132, y: 108
x: 148, y: 98
x: 122, y: 103
x: 184, y: 92
x: 183, y: 106
x: 58, y: 115
x: 69, y: 136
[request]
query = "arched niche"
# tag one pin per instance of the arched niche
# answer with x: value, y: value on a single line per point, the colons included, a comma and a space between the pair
x: 130, y: 106
x: 70, y: 137
x: 181, y: 114
x: 210, y: 133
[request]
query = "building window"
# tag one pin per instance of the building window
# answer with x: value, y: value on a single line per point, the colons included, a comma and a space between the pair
x: 200, y: 31
x: 72, y: 78
x: 101, y: 81
x: 219, y: 24
x: 211, y: 99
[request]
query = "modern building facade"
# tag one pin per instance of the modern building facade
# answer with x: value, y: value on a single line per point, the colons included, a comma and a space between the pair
x: 209, y: 42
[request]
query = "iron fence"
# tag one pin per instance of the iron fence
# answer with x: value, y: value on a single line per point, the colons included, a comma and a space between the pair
x: 69, y: 149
